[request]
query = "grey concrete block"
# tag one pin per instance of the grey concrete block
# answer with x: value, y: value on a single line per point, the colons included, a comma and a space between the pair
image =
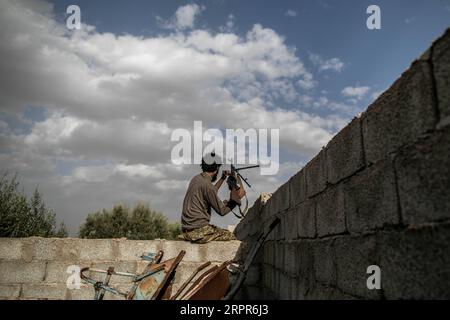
x: 290, y: 224
x: 11, y: 249
x: 423, y: 172
x: 212, y: 251
x: 306, y: 219
x: 14, y: 272
x: 56, y: 271
x: 345, y: 153
x: 324, y: 262
x: 290, y: 258
x: 415, y: 264
x: 44, y: 291
x: 97, y: 249
x: 401, y: 114
x: 70, y: 249
x: 254, y: 276
x: 279, y: 255
x: 316, y: 175
x: 330, y: 213
x: 370, y: 198
x: 305, y: 261
x: 131, y: 250
x: 279, y: 231
x: 297, y: 188
x: 353, y: 256
x: 10, y: 291
x: 43, y: 248
x: 86, y: 292
x: 441, y: 64
x: 279, y: 201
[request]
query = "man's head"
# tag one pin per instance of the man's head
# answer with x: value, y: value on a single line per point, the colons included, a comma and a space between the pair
x: 211, y: 164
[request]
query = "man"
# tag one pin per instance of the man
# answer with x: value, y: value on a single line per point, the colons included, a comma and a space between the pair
x: 201, y: 196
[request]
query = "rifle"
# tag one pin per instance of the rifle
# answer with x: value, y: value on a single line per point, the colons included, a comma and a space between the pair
x: 235, y: 181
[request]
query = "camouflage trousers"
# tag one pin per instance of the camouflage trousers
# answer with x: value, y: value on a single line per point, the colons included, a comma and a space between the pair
x: 206, y: 234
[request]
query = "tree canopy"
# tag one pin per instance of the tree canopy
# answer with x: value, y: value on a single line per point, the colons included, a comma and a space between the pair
x: 23, y: 217
x: 140, y: 223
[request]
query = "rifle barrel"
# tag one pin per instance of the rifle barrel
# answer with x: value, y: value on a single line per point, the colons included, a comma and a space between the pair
x: 245, y: 168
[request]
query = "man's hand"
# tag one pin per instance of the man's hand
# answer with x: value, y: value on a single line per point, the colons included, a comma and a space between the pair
x: 225, y: 174
x: 237, y: 195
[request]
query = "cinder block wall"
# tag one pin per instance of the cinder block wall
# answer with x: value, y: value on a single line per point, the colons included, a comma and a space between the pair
x: 36, y: 268
x: 377, y: 194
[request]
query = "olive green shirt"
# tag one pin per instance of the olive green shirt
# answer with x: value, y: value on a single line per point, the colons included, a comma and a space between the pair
x: 200, y: 197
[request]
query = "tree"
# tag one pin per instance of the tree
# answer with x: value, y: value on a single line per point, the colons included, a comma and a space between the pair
x: 141, y: 223
x: 20, y: 217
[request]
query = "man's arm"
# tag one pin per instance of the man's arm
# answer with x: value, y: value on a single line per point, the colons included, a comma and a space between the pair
x: 218, y: 184
x: 217, y: 204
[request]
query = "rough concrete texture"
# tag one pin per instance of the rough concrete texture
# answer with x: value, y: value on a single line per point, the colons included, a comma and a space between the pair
x: 36, y: 268
x: 377, y: 194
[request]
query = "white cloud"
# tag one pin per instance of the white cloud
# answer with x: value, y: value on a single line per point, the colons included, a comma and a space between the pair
x: 113, y: 102
x: 290, y: 13
x: 333, y: 64
x: 184, y: 17
x: 355, y: 92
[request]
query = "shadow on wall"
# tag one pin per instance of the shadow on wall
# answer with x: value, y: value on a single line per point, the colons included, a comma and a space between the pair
x: 377, y: 195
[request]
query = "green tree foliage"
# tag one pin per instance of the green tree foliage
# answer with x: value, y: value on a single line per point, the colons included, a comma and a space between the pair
x: 141, y: 223
x: 20, y: 217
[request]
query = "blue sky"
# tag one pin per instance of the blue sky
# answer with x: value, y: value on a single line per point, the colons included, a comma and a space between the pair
x: 87, y: 115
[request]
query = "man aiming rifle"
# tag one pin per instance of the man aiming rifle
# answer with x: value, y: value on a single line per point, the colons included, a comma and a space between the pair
x: 200, y: 197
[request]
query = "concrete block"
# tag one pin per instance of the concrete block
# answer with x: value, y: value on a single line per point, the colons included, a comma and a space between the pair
x: 212, y: 251
x: 14, y: 272
x: 279, y: 201
x: 305, y: 260
x: 415, y: 263
x: 316, y: 175
x: 290, y: 224
x: 401, y: 114
x: 297, y: 188
x: 86, y: 292
x: 254, y: 276
x: 44, y: 291
x: 423, y: 172
x: 324, y: 266
x: 10, y: 249
x: 131, y: 250
x: 280, y: 230
x: 279, y: 255
x: 330, y: 213
x: 371, y: 198
x: 306, y: 219
x: 290, y: 258
x: 56, y: 271
x: 345, y: 153
x: 441, y: 64
x: 97, y: 249
x: 70, y: 249
x: 194, y: 252
x: 43, y: 248
x: 10, y: 291
x: 353, y: 256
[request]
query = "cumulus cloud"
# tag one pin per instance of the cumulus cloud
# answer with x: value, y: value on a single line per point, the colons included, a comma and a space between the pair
x: 355, y: 92
x: 113, y: 101
x: 333, y: 64
x: 184, y: 17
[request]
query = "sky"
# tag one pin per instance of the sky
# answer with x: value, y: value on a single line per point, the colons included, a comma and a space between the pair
x: 86, y: 115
